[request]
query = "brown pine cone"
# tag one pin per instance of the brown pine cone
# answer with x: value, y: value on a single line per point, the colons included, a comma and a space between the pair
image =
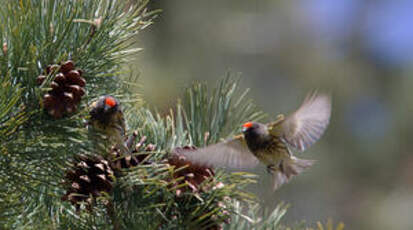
x: 67, y: 89
x: 89, y: 177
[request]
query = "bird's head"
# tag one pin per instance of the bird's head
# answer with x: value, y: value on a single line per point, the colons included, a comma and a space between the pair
x: 255, y: 133
x: 109, y: 104
x: 249, y: 126
x: 254, y: 129
x: 104, y: 107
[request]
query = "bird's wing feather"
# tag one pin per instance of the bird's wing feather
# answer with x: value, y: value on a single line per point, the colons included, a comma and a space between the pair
x: 232, y: 153
x: 306, y: 125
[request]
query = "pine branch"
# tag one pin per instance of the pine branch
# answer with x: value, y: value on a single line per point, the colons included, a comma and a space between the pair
x: 160, y: 190
x: 211, y: 116
x: 37, y: 33
x: 189, y: 122
x: 255, y: 219
x: 203, y: 117
x: 11, y: 116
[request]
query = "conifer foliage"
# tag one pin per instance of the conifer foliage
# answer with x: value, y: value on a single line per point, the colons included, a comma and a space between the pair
x: 53, y: 177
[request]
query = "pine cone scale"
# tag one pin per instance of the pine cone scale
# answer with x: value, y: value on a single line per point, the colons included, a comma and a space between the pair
x: 67, y: 89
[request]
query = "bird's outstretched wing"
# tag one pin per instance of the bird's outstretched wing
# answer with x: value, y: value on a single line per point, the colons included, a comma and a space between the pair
x: 232, y: 153
x: 306, y: 125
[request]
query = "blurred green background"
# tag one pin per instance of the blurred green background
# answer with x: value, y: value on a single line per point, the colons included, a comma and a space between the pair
x: 360, y: 50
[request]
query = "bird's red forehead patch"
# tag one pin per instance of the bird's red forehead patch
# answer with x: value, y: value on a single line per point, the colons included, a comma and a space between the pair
x: 247, y: 125
x: 110, y: 101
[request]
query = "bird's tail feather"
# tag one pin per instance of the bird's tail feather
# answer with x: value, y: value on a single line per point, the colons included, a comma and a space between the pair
x: 289, y: 168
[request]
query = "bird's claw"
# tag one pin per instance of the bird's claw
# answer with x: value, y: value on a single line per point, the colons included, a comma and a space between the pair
x: 271, y: 168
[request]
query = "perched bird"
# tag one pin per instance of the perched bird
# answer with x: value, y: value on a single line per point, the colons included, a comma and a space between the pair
x: 271, y: 143
x: 106, y: 120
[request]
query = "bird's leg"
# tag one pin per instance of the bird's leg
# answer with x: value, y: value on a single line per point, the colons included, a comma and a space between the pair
x: 280, y: 166
x: 271, y: 168
x: 274, y: 167
x: 131, y: 140
x: 123, y: 148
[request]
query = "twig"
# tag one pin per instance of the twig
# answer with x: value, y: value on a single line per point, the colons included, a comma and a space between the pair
x: 112, y: 215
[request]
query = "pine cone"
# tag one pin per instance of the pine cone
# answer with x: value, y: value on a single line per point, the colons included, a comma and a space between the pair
x: 194, y: 174
x: 87, y: 179
x: 67, y: 89
x: 92, y: 175
x: 120, y: 161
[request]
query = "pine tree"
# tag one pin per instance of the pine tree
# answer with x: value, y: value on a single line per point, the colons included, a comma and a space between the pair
x: 52, y: 176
